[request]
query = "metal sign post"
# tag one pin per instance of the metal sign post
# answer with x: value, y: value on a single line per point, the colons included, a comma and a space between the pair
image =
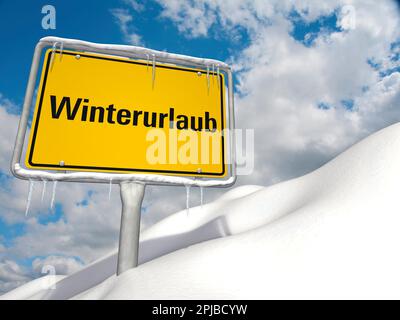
x: 131, y: 196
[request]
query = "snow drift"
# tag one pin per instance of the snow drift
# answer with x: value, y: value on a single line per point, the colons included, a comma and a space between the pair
x: 333, y: 233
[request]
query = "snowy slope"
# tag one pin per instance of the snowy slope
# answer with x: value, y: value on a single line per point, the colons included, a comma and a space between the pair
x: 333, y: 233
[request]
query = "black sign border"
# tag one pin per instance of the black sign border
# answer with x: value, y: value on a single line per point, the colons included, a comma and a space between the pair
x: 131, y: 170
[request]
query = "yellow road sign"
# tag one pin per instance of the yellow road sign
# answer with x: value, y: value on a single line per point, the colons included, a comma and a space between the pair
x: 102, y: 113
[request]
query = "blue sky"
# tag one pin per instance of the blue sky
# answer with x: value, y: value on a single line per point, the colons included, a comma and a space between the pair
x: 93, y: 21
x: 307, y: 83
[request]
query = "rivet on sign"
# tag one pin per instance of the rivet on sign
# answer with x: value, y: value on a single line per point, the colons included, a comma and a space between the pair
x: 62, y: 163
x: 77, y: 56
x: 199, y: 73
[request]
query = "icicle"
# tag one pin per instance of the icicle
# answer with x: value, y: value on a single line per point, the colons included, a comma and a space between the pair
x: 53, y: 194
x: 148, y: 61
x: 153, y: 76
x: 109, y: 190
x: 53, y: 51
x: 28, y: 201
x: 61, y: 49
x: 213, y: 68
x: 201, y: 196
x: 218, y: 74
x: 187, y: 199
x: 208, y: 77
x: 43, y: 190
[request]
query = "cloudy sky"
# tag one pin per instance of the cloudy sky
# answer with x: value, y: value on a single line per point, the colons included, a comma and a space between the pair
x: 311, y: 78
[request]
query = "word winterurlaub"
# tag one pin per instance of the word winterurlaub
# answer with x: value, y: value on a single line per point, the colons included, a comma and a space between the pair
x: 83, y: 112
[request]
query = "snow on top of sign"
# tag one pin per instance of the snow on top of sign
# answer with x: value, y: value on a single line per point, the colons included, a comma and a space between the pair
x: 117, y: 178
x: 113, y: 48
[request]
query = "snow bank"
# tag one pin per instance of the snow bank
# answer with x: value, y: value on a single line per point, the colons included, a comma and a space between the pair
x: 330, y: 234
x: 34, y: 289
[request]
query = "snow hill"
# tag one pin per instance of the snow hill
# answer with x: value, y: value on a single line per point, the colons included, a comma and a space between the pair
x: 333, y: 233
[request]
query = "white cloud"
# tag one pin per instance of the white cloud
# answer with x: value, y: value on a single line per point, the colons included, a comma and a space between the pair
x: 11, y: 275
x: 87, y: 231
x: 135, y: 5
x: 193, y: 18
x: 124, y: 20
x: 62, y: 265
x: 11, y: 202
x: 134, y: 38
x: 11, y: 271
x: 8, y: 131
x: 281, y: 81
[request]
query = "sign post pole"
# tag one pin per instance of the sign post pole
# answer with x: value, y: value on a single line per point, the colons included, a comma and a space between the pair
x: 131, y: 196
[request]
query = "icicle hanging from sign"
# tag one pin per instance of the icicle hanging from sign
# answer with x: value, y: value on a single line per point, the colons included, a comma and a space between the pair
x: 28, y: 201
x: 43, y: 190
x: 218, y: 75
x: 148, y: 61
x: 109, y: 190
x: 53, y: 52
x: 53, y: 194
x: 153, y: 75
x: 208, y: 77
x: 61, y: 50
